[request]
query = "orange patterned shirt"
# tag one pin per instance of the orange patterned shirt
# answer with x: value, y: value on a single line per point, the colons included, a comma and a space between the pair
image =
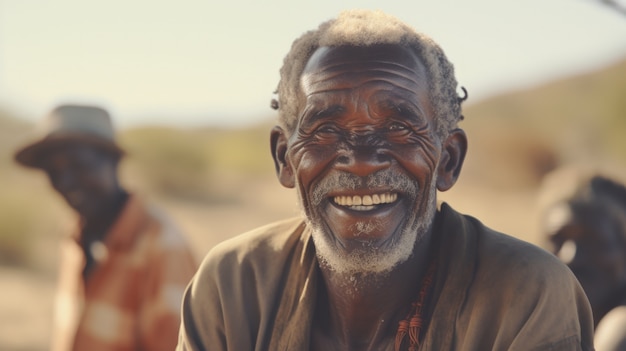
x: 131, y: 300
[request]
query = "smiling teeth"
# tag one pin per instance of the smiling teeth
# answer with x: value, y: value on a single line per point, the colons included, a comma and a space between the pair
x: 366, y: 200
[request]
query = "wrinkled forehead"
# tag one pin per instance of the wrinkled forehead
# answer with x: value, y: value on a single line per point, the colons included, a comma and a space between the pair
x: 383, y: 72
x: 386, y: 56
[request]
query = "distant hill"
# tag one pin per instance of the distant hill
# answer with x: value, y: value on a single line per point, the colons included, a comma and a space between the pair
x: 579, y: 119
x: 193, y: 163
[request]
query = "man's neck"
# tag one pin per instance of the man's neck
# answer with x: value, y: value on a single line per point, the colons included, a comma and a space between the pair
x: 95, y: 228
x: 359, y: 312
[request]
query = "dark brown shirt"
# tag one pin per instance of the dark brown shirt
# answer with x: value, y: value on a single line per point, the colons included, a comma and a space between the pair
x: 492, y: 292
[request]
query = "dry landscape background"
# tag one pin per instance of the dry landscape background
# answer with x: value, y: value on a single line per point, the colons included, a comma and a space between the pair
x: 220, y: 182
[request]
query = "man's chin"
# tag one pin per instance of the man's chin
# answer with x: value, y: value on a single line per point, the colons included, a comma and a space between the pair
x: 363, y: 257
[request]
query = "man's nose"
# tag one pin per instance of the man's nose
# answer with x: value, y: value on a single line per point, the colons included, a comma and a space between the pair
x: 363, y: 160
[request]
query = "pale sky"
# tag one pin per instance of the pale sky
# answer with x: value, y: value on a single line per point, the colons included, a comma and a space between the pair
x: 189, y: 63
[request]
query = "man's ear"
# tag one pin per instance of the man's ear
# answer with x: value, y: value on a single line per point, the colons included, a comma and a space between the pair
x: 279, y: 142
x: 452, y: 157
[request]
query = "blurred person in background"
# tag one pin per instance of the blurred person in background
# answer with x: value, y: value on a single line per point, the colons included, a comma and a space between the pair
x: 585, y: 223
x: 368, y: 112
x: 124, y: 269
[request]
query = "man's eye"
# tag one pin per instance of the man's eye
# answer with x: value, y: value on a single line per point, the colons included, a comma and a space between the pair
x: 326, y: 129
x: 396, y: 127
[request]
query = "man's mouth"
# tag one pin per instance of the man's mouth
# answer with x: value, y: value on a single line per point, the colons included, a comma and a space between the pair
x: 365, y: 202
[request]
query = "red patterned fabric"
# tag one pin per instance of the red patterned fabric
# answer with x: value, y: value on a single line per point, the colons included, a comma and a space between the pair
x: 131, y: 300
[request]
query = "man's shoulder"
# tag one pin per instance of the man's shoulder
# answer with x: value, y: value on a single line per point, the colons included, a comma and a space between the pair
x: 275, y: 235
x: 263, y: 245
x: 495, y: 243
x: 497, y: 251
x: 518, y: 290
x: 253, y: 261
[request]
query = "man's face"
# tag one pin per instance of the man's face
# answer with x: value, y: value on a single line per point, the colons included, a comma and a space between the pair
x: 364, y: 155
x: 590, y: 242
x: 86, y: 177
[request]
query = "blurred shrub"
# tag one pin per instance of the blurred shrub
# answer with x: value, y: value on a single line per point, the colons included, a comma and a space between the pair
x: 29, y: 210
x: 174, y: 162
x: 580, y: 119
x: 16, y: 227
x: 16, y: 219
x: 243, y: 151
x: 190, y: 163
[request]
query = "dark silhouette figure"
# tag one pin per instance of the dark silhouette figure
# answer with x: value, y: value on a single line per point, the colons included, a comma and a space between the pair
x: 587, y: 231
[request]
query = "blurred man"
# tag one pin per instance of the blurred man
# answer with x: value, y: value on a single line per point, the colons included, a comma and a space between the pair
x: 587, y: 230
x: 368, y: 133
x: 124, y: 270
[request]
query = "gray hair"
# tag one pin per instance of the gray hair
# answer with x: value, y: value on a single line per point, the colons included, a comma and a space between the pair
x: 366, y: 28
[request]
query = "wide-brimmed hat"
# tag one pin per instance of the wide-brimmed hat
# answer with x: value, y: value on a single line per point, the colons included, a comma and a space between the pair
x: 70, y: 124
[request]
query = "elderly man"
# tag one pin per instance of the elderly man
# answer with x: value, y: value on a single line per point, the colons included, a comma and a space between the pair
x: 123, y: 272
x: 368, y: 133
x: 586, y: 227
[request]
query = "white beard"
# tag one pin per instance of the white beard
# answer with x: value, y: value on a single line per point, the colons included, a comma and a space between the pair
x: 371, y: 260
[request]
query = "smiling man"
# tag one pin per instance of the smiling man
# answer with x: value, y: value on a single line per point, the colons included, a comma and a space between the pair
x: 124, y: 270
x: 368, y: 133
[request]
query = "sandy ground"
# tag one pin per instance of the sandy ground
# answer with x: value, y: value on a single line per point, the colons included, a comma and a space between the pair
x: 26, y: 303
x: 25, y: 309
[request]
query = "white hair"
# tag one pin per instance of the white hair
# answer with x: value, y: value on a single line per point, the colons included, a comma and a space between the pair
x: 366, y: 28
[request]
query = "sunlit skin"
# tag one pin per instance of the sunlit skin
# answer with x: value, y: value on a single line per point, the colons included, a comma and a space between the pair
x: 86, y: 178
x: 590, y: 242
x: 366, y: 110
